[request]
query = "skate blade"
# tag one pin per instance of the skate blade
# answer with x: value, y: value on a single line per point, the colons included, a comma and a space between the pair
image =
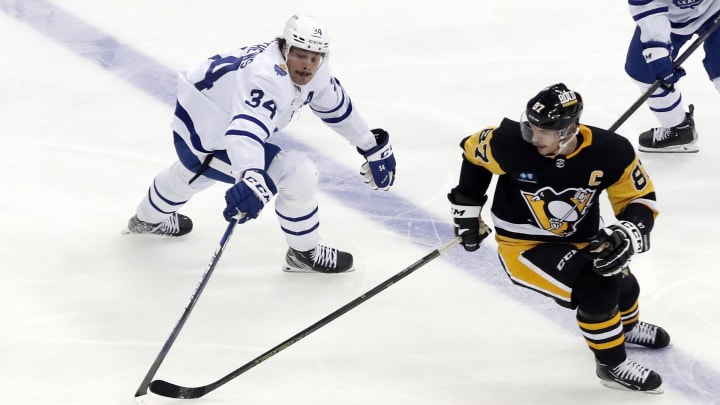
x: 152, y: 235
x: 292, y: 269
x: 620, y: 387
x: 690, y: 148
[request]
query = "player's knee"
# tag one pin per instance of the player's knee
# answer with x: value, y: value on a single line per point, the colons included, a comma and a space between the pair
x: 628, y: 289
x: 295, y: 174
x: 595, y: 294
x: 304, y: 176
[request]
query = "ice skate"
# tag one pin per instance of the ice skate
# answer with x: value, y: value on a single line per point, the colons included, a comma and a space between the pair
x: 629, y: 376
x: 322, y: 259
x: 175, y: 225
x: 680, y: 139
x: 648, y: 335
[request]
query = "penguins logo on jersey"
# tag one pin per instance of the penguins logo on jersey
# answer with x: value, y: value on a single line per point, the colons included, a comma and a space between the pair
x: 559, y: 212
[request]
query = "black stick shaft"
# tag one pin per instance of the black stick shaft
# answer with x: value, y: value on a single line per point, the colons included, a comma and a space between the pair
x: 678, y: 62
x: 142, y: 390
x: 170, y: 390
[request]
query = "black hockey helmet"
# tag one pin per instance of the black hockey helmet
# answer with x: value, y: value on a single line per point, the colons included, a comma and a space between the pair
x: 555, y: 107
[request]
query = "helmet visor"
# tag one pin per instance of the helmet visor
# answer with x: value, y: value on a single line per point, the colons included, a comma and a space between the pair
x: 525, y: 128
x: 561, y: 128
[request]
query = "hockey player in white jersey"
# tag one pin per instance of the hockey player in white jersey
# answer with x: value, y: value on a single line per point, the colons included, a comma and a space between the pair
x: 663, y: 27
x: 229, y: 107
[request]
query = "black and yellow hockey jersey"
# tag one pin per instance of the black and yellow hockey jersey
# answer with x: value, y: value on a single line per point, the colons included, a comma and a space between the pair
x: 556, y: 199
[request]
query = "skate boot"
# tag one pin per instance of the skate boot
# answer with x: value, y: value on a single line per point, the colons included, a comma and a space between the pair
x: 679, y: 139
x: 175, y: 225
x: 629, y: 376
x: 648, y: 335
x: 322, y: 259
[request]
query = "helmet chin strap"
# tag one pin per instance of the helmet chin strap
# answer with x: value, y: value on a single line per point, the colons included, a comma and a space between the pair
x: 562, y: 145
x: 285, y: 51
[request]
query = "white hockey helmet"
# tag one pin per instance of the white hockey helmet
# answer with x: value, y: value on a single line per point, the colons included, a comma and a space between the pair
x: 305, y: 32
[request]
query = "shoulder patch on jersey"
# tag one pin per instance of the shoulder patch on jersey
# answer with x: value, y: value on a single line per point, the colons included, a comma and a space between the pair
x: 281, y: 70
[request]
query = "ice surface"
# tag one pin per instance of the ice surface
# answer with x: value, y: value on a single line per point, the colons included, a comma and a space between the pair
x: 86, y: 93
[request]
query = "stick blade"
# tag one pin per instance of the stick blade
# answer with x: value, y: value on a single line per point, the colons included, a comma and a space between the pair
x: 170, y: 390
x: 140, y: 399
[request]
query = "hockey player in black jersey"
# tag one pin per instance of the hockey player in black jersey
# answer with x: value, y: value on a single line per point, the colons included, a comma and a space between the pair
x: 551, y: 238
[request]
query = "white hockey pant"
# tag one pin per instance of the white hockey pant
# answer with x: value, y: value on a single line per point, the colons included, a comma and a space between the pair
x: 666, y: 105
x: 294, y: 174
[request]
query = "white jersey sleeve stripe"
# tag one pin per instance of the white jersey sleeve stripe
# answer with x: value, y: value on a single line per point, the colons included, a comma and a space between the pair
x: 647, y: 13
x: 247, y: 134
x: 248, y: 118
x: 341, y: 118
x: 340, y: 111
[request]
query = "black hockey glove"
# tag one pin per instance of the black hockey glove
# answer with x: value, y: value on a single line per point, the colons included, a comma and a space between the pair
x: 467, y: 221
x: 613, y: 247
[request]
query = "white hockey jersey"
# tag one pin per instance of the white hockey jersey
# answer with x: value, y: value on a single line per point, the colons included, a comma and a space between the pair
x: 237, y: 101
x: 658, y: 18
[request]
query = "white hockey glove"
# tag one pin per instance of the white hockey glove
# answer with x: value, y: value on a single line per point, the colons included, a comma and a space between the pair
x: 613, y: 247
x: 379, y: 169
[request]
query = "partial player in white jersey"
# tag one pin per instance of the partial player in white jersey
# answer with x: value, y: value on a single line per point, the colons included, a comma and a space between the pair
x: 228, y: 109
x: 663, y: 27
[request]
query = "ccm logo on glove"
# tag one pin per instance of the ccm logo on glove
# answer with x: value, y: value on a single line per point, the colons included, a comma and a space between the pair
x: 246, y: 199
x: 379, y: 168
x: 614, y: 246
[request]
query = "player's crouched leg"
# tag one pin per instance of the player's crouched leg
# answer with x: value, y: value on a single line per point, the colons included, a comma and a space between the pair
x: 296, y: 177
x: 637, y: 332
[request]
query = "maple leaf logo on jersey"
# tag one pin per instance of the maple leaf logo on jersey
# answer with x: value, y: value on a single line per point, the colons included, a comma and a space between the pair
x: 559, y: 212
x: 281, y: 70
x: 687, y: 3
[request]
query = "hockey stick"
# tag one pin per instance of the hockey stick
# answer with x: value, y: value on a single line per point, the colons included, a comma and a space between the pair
x: 170, y: 390
x: 678, y: 62
x: 142, y: 390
